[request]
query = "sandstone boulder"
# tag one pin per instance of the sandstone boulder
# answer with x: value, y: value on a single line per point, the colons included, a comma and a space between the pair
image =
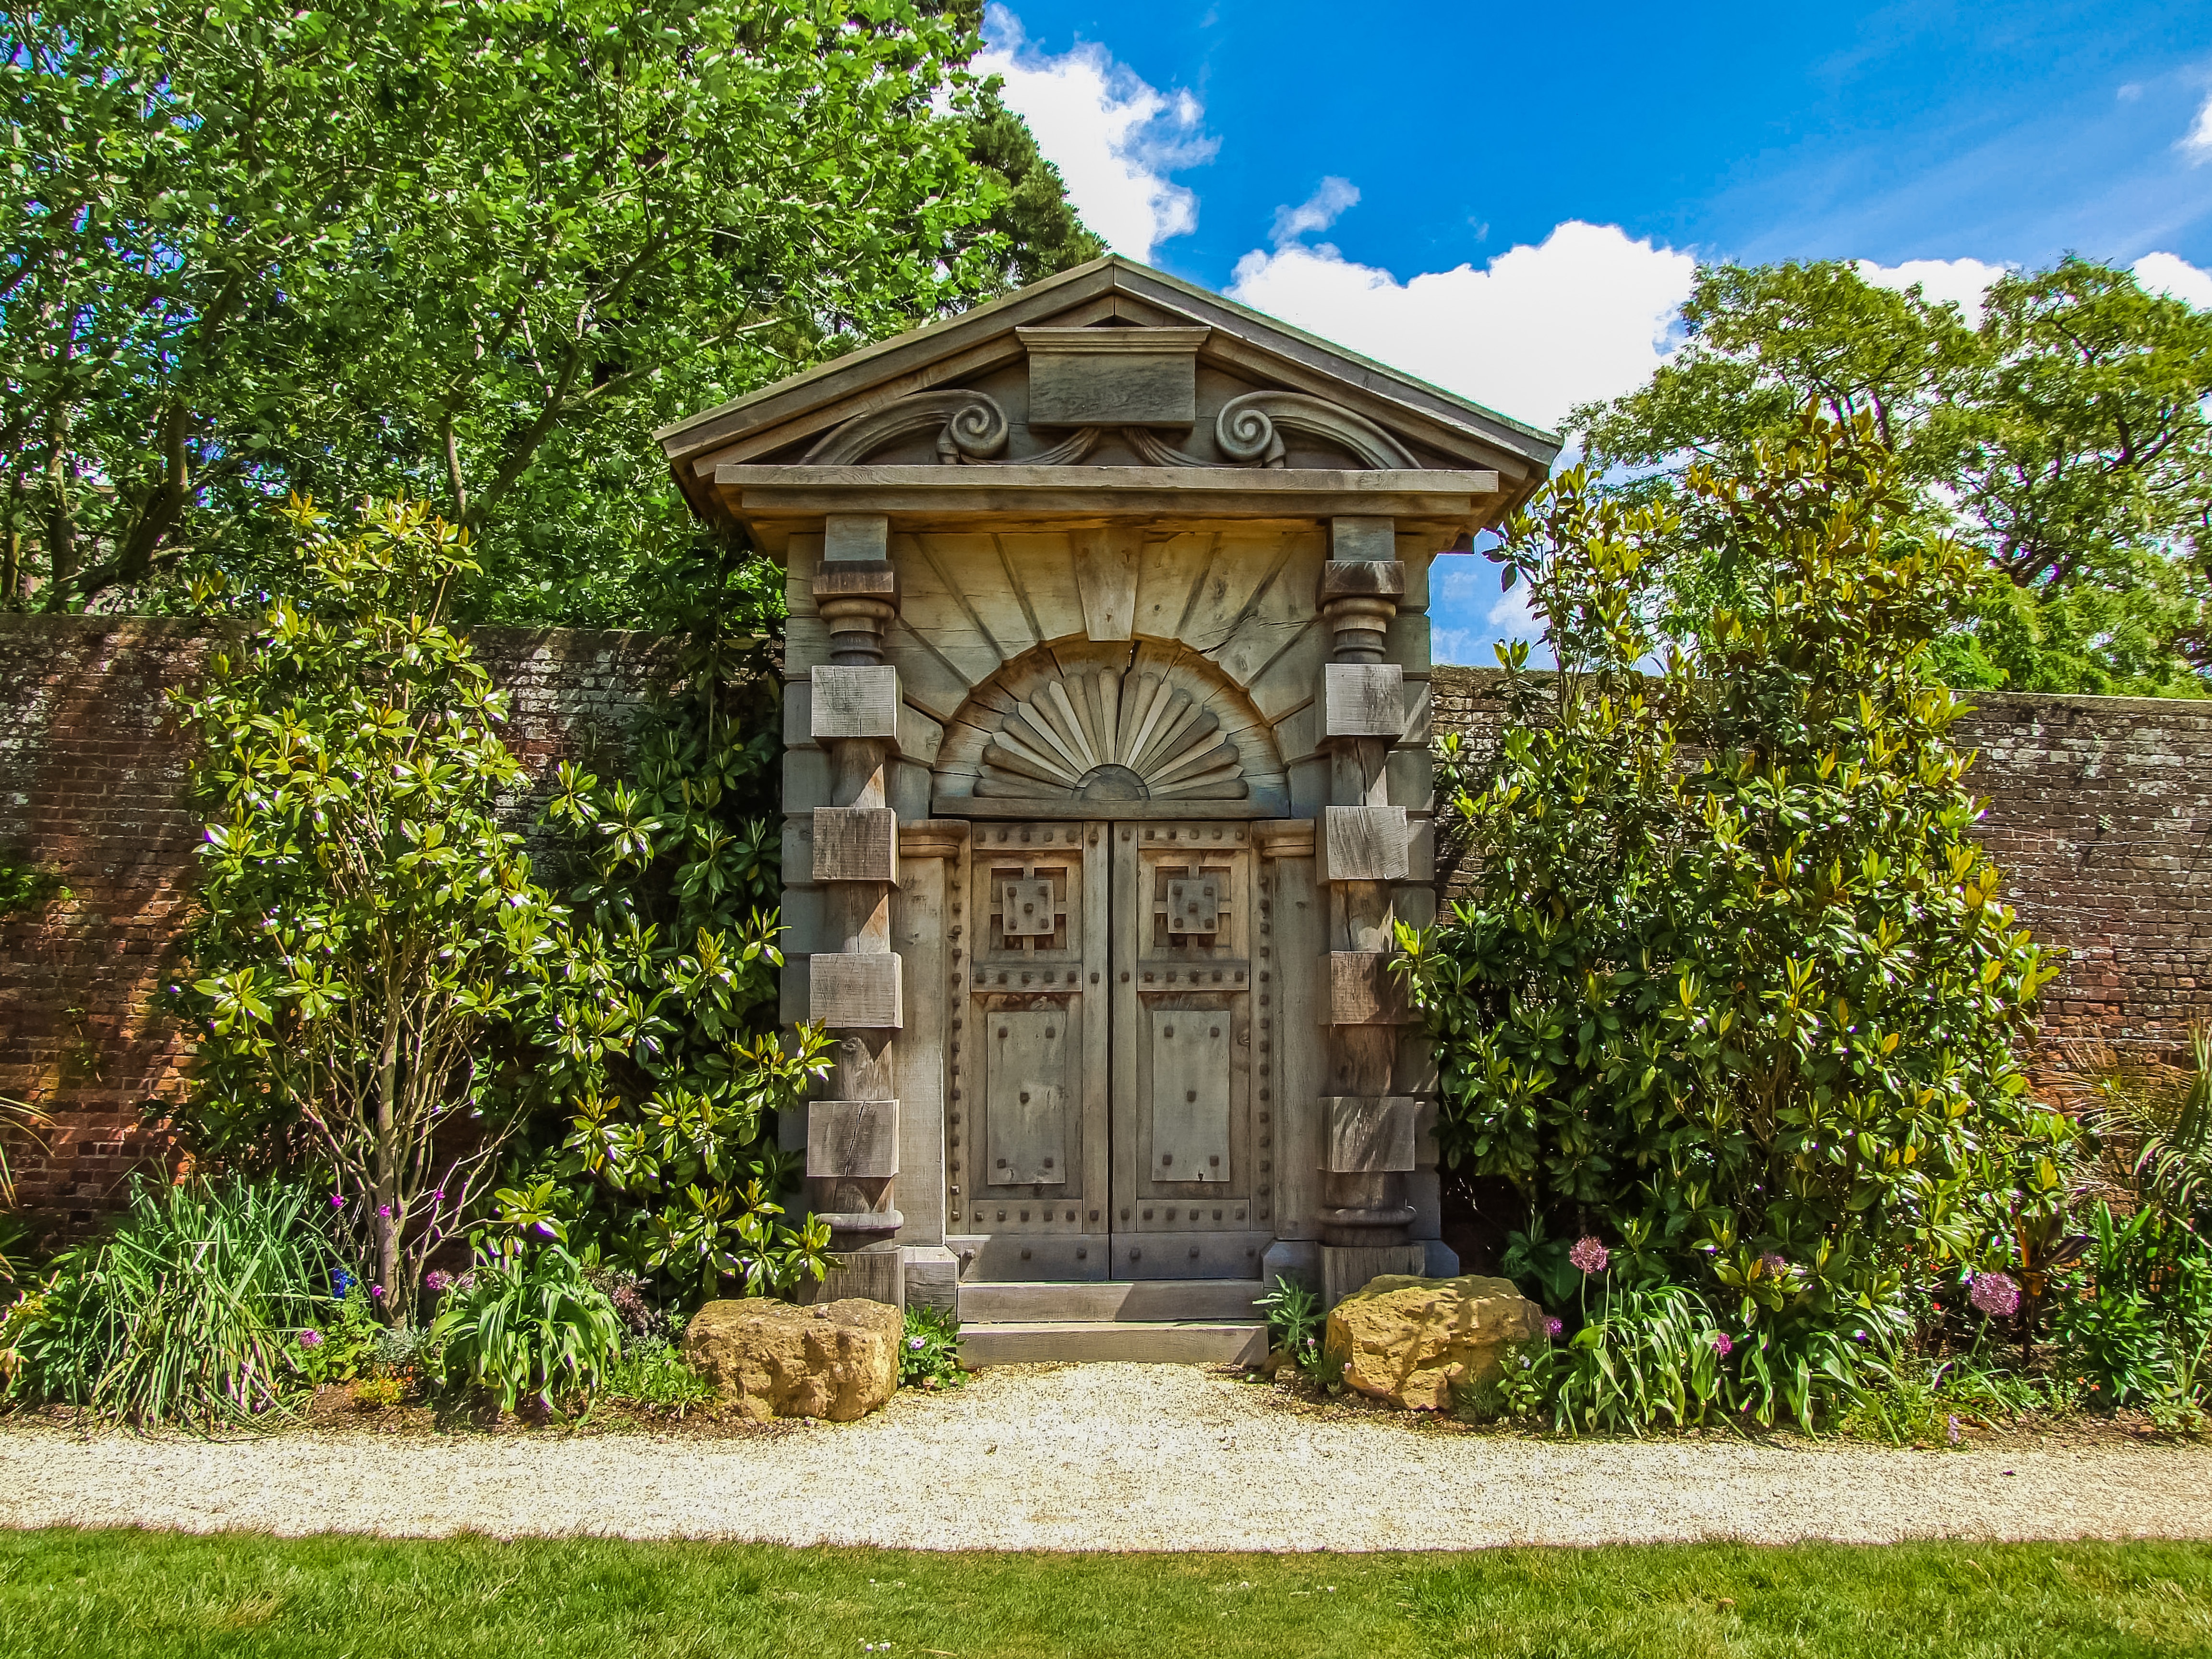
x: 837, y: 1360
x: 1408, y: 1340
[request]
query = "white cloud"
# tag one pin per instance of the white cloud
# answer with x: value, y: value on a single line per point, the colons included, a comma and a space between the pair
x: 1317, y: 212
x: 1964, y: 281
x: 1114, y: 137
x: 2197, y: 143
x: 2169, y: 273
x: 1585, y: 314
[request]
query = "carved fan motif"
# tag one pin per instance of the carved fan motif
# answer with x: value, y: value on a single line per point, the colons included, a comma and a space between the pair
x: 1106, y: 736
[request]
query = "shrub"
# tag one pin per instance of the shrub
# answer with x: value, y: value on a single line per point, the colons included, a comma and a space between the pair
x: 2138, y: 1335
x: 929, y: 1356
x: 189, y: 1313
x: 366, y: 923
x: 529, y: 1324
x: 1736, y: 985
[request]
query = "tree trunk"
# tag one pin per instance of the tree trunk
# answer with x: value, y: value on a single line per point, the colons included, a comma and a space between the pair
x: 387, y: 1162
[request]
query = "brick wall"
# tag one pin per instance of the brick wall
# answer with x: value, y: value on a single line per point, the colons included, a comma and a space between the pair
x: 2099, y: 813
x: 91, y: 780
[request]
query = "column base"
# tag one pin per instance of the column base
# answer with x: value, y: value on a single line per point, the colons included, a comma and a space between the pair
x: 877, y: 1274
x: 1345, y: 1269
x: 931, y: 1273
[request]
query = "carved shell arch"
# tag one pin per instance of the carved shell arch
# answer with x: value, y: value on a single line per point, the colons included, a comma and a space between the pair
x: 1132, y: 731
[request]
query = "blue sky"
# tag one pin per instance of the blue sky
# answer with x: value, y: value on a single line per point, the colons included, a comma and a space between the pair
x: 1510, y: 203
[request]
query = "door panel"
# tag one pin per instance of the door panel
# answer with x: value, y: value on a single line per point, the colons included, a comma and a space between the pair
x: 1028, y: 1123
x: 1184, y: 1170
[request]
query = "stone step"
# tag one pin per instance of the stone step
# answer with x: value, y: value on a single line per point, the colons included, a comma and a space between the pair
x: 1115, y: 1301
x: 1181, y: 1342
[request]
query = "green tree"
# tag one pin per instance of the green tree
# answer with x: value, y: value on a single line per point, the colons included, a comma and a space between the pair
x: 1735, y: 986
x: 366, y: 924
x: 470, y: 251
x: 2064, y: 438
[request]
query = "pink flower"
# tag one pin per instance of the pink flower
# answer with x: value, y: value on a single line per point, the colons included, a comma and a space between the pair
x: 1723, y: 1344
x: 437, y: 1280
x: 376, y: 1292
x: 311, y: 1339
x: 337, y: 1200
x: 385, y: 1210
x: 1552, y: 1327
x: 1587, y: 1254
x: 1997, y: 1295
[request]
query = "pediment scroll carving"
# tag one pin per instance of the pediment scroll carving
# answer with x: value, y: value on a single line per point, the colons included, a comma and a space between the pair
x: 972, y: 430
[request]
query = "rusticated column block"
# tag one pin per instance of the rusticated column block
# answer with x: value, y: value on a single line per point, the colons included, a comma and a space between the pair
x: 856, y: 701
x: 855, y: 843
x: 851, y: 992
x: 1364, y: 843
x: 1362, y: 700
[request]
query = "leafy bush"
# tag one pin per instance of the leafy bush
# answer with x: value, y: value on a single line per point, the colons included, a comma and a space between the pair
x: 1736, y: 987
x: 189, y: 1313
x: 651, y: 1373
x: 1521, y: 1391
x: 2138, y: 1336
x: 366, y: 923
x: 929, y: 1356
x: 527, y: 1324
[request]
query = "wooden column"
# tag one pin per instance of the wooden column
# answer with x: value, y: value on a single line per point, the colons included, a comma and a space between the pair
x: 1366, y: 1147
x: 927, y: 931
x: 855, y: 989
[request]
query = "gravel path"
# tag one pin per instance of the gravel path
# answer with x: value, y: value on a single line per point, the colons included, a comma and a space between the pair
x: 1102, y: 1457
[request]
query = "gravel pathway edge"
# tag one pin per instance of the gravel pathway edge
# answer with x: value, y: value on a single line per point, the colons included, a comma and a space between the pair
x: 1100, y: 1457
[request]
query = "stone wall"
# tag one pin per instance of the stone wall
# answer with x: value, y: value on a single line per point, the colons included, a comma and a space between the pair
x: 91, y: 782
x: 2099, y: 813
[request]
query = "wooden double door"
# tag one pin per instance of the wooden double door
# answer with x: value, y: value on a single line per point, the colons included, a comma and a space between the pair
x: 1111, y: 1053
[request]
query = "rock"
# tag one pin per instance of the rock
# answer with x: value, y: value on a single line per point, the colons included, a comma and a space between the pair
x: 1408, y: 1340
x: 836, y: 1359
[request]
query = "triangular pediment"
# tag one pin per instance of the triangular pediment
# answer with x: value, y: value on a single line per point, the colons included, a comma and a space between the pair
x: 1112, y: 364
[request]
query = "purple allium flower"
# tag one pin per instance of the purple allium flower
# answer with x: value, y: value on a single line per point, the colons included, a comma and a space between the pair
x: 1587, y: 1254
x: 1553, y: 1328
x: 1996, y: 1294
x: 1723, y: 1344
x: 436, y: 1280
x: 311, y: 1338
x: 376, y: 1292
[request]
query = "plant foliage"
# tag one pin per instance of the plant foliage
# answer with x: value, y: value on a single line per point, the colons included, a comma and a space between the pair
x: 189, y: 1313
x: 366, y: 922
x: 528, y: 1323
x: 1736, y: 987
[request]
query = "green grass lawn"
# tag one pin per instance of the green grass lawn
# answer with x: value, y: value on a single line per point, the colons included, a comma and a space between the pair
x: 71, y: 1593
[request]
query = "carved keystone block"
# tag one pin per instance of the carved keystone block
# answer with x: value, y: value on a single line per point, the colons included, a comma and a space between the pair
x: 849, y: 992
x: 1362, y: 700
x: 856, y: 701
x: 1113, y: 376
x: 1361, y: 989
x: 1369, y: 1134
x: 854, y: 1138
x: 1363, y: 843
x: 855, y: 843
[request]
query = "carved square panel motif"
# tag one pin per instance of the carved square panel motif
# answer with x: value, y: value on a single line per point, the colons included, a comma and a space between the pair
x: 1195, y: 905
x: 1025, y: 909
